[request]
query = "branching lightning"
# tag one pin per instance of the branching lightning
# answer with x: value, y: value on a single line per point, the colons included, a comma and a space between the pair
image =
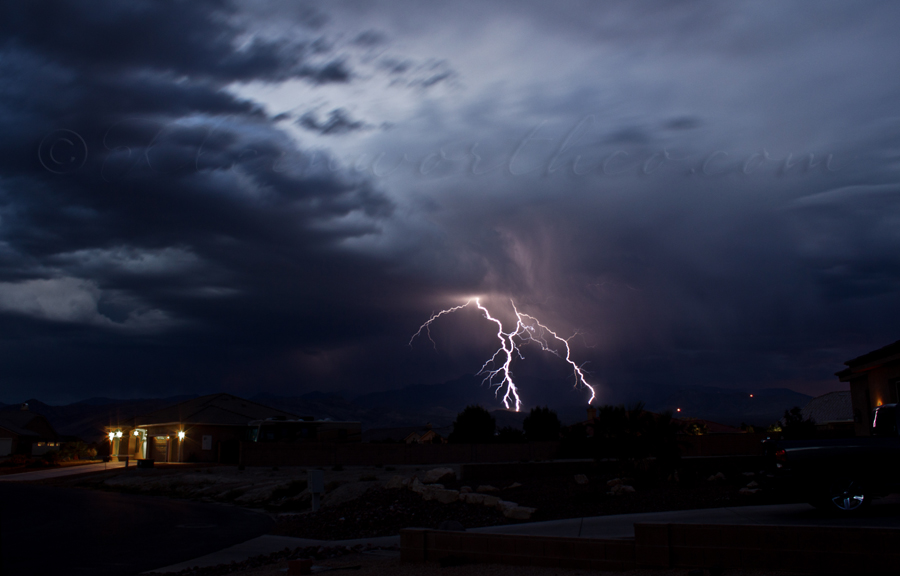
x: 497, y: 369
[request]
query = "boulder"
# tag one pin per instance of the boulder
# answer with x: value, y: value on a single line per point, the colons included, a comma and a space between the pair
x: 513, y: 485
x: 416, y: 486
x: 718, y: 477
x: 614, y: 482
x: 503, y: 505
x: 753, y: 484
x: 490, y: 501
x: 487, y: 489
x: 397, y: 482
x: 747, y: 491
x: 581, y: 479
x: 435, y: 475
x: 446, y: 496
x: 465, y: 489
x: 472, y: 498
x: 519, y: 513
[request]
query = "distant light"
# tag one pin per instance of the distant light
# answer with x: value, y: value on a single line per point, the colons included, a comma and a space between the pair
x: 181, y: 435
x: 678, y: 409
x: 751, y: 395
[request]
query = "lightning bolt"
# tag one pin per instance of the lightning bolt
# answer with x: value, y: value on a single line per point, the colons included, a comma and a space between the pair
x: 497, y: 369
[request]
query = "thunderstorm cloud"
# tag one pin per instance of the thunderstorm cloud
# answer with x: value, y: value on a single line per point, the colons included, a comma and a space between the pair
x: 265, y: 196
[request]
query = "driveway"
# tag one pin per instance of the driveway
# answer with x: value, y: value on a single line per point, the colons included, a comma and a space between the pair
x: 884, y: 513
x: 50, y: 530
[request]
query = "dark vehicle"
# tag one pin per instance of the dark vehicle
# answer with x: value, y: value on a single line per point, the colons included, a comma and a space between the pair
x: 843, y: 475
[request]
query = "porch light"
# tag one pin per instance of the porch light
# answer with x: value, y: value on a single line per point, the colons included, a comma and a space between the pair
x: 118, y: 433
x: 136, y: 433
x: 111, y: 436
x: 181, y: 434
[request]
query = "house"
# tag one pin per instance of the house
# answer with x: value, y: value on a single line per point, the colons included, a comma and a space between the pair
x: 409, y: 434
x: 25, y: 432
x: 204, y: 429
x: 832, y: 413
x: 874, y: 380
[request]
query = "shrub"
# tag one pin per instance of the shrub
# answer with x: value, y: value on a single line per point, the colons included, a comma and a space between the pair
x: 510, y: 435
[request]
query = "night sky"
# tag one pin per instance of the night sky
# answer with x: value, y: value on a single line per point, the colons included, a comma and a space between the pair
x: 272, y: 197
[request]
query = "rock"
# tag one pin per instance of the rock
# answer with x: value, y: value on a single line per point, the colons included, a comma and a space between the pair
x: 472, y: 498
x: 748, y: 474
x: 614, y: 482
x: 435, y: 475
x: 503, y: 506
x: 446, y: 496
x: 519, y: 513
x: 621, y: 489
x: 416, y: 486
x: 451, y: 525
x: 397, y: 482
x: 581, y: 479
x: 486, y: 488
x: 513, y: 485
x: 748, y: 491
x: 753, y: 484
x: 717, y: 477
x: 465, y: 489
x: 490, y: 501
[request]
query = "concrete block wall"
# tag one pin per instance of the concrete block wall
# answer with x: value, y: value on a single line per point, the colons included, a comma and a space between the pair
x: 806, y: 549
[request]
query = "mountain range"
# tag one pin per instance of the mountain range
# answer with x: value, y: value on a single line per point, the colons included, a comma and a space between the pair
x: 439, y: 404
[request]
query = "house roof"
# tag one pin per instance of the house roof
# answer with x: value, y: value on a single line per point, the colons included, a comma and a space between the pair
x: 831, y: 407
x: 16, y: 429
x: 218, y: 409
x: 870, y: 360
x: 16, y: 421
x: 401, y: 433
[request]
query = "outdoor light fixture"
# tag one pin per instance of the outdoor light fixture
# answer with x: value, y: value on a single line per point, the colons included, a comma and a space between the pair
x: 112, y: 435
x: 136, y: 433
x: 181, y: 435
x: 118, y: 433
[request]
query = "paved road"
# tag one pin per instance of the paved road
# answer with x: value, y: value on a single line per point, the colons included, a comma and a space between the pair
x: 51, y: 530
x: 59, y: 472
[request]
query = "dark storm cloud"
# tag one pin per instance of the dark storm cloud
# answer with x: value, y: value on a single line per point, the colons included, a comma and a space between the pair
x: 191, y: 227
x: 157, y: 228
x: 338, y: 122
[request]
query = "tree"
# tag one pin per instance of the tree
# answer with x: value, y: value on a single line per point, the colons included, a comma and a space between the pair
x: 473, y: 425
x: 510, y: 435
x: 795, y: 427
x: 542, y: 424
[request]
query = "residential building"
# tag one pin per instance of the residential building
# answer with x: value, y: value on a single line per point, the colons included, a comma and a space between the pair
x: 25, y: 432
x: 874, y: 380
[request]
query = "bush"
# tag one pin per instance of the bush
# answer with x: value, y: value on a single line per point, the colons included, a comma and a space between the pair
x: 510, y: 435
x: 473, y: 425
x: 542, y: 424
x: 76, y: 451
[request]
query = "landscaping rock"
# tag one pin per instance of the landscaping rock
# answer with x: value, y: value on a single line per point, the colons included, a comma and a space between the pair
x: 487, y: 489
x: 446, y: 496
x: 519, y: 513
x: 718, y: 477
x: 753, y: 484
x: 514, y: 485
x: 397, y: 482
x: 490, y: 501
x: 614, y: 482
x: 465, y: 489
x: 747, y: 491
x: 472, y: 498
x: 581, y: 479
x: 435, y: 475
x: 416, y: 486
